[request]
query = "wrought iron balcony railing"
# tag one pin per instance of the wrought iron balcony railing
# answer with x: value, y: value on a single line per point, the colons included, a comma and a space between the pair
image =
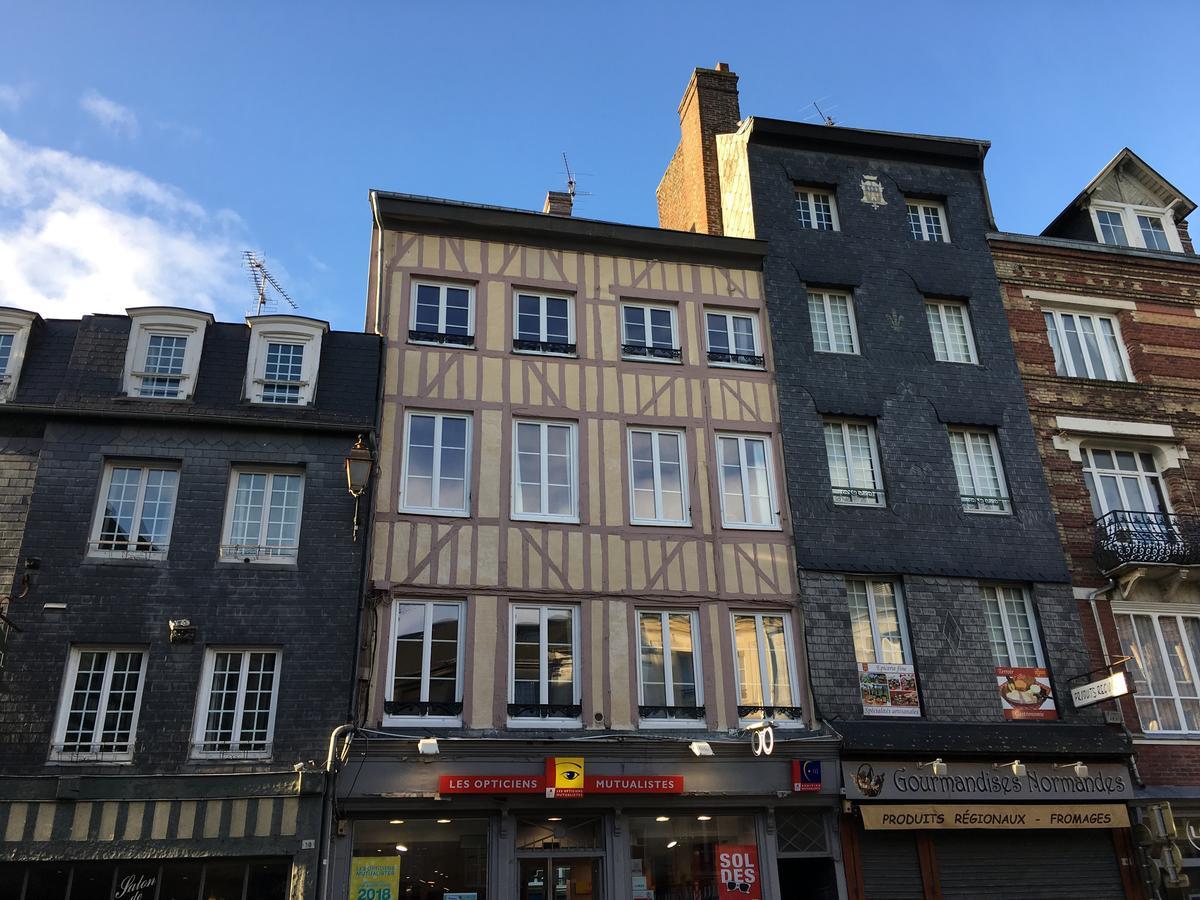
x: 673, y: 353
x: 1128, y: 537
x: 420, y: 336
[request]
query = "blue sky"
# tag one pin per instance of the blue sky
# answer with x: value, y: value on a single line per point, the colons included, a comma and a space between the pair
x: 142, y: 146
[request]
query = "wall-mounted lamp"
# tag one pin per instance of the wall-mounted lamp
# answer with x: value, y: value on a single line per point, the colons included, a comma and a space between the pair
x: 1081, y: 771
x: 427, y: 746
x: 358, y: 474
x: 701, y: 748
x: 936, y: 766
x: 1018, y: 767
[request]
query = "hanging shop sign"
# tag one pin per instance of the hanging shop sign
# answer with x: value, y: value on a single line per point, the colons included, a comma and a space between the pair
x: 375, y: 878
x: 1025, y: 693
x: 563, y: 778
x: 888, y: 689
x: 899, y: 818
x: 910, y: 781
x: 1115, y: 685
x: 806, y: 776
x: 737, y: 872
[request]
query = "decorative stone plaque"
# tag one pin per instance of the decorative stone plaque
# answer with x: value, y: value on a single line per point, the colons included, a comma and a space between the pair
x: 872, y: 191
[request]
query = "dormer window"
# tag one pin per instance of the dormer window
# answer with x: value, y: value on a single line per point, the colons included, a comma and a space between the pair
x: 15, y: 325
x: 285, y: 353
x: 1144, y: 227
x: 162, y: 360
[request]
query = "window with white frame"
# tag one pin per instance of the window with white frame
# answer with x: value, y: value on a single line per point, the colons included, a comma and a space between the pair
x: 1165, y: 650
x: 733, y: 339
x: 262, y: 516
x: 543, y: 324
x: 1128, y: 225
x: 927, y: 220
x: 437, y: 453
x: 284, y: 356
x: 442, y: 313
x: 15, y: 328
x: 1086, y: 345
x: 545, y: 471
x: 137, y: 506
x: 425, y: 678
x: 766, y: 686
x: 98, y: 709
x: 981, y: 484
x: 649, y: 332
x: 669, y: 672
x: 162, y: 360
x: 235, y: 715
x: 1012, y: 627
x: 747, y: 482
x: 816, y: 208
x: 1126, y: 483
x: 544, y: 674
x: 877, y: 621
x: 854, y: 469
x: 831, y: 315
x: 950, y: 329
x: 658, y: 492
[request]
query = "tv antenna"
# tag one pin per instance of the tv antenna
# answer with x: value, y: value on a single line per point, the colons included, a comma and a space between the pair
x: 571, y: 182
x: 828, y: 119
x: 262, y: 279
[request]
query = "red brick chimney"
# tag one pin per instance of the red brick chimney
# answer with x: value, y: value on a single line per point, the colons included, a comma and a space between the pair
x: 558, y: 203
x: 689, y: 195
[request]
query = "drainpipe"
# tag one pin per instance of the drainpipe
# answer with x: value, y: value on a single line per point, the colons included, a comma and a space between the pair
x: 327, y: 807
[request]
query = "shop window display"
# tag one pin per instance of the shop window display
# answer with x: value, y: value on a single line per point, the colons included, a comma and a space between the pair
x: 148, y: 880
x: 427, y: 858
x: 693, y: 854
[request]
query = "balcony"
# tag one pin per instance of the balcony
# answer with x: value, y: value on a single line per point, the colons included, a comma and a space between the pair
x: 1126, y: 539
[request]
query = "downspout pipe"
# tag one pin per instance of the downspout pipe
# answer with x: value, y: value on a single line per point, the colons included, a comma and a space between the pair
x: 331, y: 757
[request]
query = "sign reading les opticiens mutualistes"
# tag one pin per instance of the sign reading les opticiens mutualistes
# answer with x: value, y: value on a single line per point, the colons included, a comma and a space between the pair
x: 563, y: 778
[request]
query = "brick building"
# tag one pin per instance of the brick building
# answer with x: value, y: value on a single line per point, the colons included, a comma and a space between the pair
x: 177, y: 545
x: 941, y: 627
x: 1104, y: 309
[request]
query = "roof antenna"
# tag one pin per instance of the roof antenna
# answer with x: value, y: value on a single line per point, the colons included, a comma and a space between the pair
x: 262, y: 279
x: 828, y: 119
x: 570, y: 177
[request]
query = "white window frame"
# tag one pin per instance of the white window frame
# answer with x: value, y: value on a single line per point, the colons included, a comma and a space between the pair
x: 873, y: 612
x: 681, y: 437
x: 441, y: 286
x: 67, y: 691
x: 769, y: 453
x: 992, y: 594
x: 1157, y: 612
x: 426, y: 649
x: 270, y: 559
x: 1133, y: 229
x: 145, y: 466
x: 1143, y: 477
x: 760, y: 638
x: 940, y: 306
x: 439, y: 416
x: 543, y: 666
x: 1006, y: 498
x: 664, y: 621
x: 1058, y: 346
x: 165, y: 321
x: 204, y: 698
x: 542, y: 297
x: 573, y: 444
x: 265, y: 330
x: 18, y: 323
x: 926, y: 232
x: 676, y: 357
x: 879, y: 497
x: 755, y: 330
x: 810, y: 206
x: 825, y: 297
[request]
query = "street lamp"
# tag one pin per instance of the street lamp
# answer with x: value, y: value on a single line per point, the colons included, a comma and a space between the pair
x: 358, y: 474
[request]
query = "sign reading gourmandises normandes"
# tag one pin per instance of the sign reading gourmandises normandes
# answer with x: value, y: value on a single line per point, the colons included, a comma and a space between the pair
x: 908, y: 781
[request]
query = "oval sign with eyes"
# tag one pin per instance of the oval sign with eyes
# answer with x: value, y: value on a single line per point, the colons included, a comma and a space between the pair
x: 564, y: 776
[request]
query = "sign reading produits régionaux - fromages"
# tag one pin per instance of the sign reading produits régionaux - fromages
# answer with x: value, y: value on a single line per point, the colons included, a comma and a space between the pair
x: 907, y: 782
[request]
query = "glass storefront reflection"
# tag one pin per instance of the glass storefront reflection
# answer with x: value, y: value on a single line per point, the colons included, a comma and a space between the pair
x: 688, y: 854
x: 436, y: 856
x: 147, y: 880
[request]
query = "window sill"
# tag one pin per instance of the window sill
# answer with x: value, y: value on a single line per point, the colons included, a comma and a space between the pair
x: 553, y: 353
x: 559, y: 520
x: 725, y: 365
x: 544, y: 723
x: 436, y: 339
x: 860, y: 504
x: 229, y: 756
x: 452, y: 513
x: 122, y: 559
x: 290, y: 562
x: 421, y: 721
x: 987, y: 512
x: 651, y: 359
x: 1172, y: 738
x: 59, y: 758
x: 743, y: 526
x: 303, y: 403
x: 838, y: 352
x: 656, y: 523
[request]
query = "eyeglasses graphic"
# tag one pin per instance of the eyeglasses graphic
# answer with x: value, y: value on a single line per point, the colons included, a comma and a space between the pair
x: 737, y: 886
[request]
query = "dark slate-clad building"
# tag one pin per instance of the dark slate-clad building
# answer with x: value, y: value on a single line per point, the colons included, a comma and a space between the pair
x: 177, y: 542
x: 941, y: 629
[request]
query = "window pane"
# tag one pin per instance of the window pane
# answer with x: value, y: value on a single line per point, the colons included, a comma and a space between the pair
x: 819, y: 322
x: 995, y: 627
x: 750, y: 691
x: 458, y: 311
x: 1153, y: 234
x: 557, y: 320
x: 662, y: 328
x: 841, y: 329
x: 860, y: 622
x: 654, y: 686
x: 887, y: 618
x: 758, y: 498
x: 1112, y: 228
x: 683, y: 671
x: 283, y: 524
x: 248, y: 509
x: 635, y: 325
x: 1112, y: 351
x: 731, y: 480
x: 117, y: 524
x: 1060, y: 363
x: 157, y: 507
x: 1092, y: 346
x: 778, y: 673
x: 121, y: 702
x: 718, y: 333
x: 428, y: 307
x: 743, y: 335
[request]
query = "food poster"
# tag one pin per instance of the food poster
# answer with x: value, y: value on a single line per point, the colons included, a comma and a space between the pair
x: 888, y: 689
x: 1025, y: 693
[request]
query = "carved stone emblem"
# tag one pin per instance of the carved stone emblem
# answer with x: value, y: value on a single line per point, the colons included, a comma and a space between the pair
x: 872, y: 191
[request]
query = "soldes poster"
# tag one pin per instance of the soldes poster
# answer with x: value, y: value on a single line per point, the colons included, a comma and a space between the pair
x: 737, y: 872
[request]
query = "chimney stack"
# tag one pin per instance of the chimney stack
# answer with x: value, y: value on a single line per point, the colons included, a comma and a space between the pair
x: 558, y: 203
x: 689, y: 195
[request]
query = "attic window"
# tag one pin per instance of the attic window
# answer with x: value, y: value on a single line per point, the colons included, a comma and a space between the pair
x: 1144, y: 227
x: 285, y: 354
x: 15, y: 325
x: 162, y: 360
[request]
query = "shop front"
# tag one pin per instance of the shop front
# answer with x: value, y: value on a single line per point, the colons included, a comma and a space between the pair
x: 588, y: 820
x: 957, y: 828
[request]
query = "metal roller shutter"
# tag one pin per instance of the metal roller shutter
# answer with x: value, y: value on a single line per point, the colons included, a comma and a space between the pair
x: 1034, y: 865
x: 891, y: 869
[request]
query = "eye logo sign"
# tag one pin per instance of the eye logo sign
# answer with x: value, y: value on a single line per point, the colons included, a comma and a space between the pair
x: 564, y: 776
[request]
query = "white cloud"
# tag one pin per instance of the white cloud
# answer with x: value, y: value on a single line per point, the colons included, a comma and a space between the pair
x: 13, y: 96
x: 118, y: 120
x: 79, y: 236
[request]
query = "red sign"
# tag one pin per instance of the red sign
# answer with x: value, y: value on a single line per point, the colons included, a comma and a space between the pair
x: 634, y: 784
x: 491, y: 784
x: 806, y: 776
x: 737, y: 872
x: 567, y: 785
